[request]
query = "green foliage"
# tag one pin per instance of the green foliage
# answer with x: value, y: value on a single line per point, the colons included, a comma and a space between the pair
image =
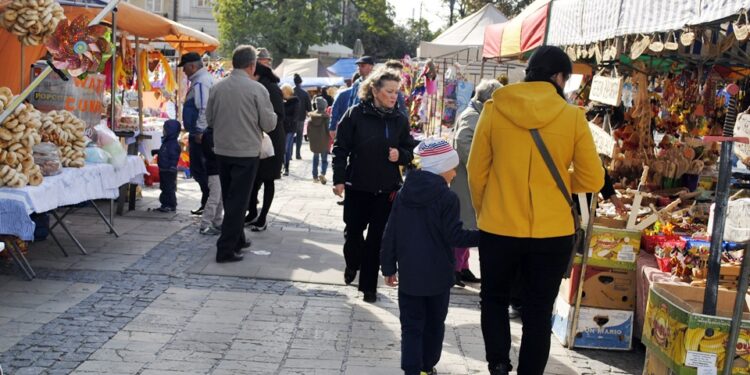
x: 286, y: 27
x: 462, y: 8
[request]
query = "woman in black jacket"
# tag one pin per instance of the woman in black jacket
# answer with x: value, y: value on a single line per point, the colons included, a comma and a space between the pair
x: 269, y: 169
x: 372, y: 142
x: 291, y: 107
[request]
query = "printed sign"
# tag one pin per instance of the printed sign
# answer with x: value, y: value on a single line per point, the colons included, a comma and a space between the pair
x: 83, y: 98
x: 742, y: 129
x: 606, y: 90
x: 700, y: 359
x: 604, y: 142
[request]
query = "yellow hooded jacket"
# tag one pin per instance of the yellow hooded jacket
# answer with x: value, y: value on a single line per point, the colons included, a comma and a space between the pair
x: 512, y: 190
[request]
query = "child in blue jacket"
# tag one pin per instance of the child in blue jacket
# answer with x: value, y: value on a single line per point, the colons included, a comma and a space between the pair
x: 169, y: 155
x: 422, y: 230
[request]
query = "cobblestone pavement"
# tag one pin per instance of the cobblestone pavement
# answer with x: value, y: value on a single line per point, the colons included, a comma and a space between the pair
x: 139, y: 304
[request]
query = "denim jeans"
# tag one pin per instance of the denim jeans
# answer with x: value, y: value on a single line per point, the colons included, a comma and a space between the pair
x: 323, y: 158
x: 288, y: 150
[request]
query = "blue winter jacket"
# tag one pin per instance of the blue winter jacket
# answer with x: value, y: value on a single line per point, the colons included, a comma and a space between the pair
x: 169, y: 152
x: 340, y: 105
x: 424, y: 227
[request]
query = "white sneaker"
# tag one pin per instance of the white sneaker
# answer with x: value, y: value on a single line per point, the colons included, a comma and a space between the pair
x: 210, y: 231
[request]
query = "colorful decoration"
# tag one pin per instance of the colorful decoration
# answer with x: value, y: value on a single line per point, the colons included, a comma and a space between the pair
x: 143, y: 71
x: 78, y: 48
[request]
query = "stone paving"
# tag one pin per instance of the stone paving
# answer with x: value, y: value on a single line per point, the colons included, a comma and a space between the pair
x: 150, y: 302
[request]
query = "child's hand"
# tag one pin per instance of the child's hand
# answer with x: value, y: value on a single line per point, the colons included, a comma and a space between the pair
x: 391, y: 280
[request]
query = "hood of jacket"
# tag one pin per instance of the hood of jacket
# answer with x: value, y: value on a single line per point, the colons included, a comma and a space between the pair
x: 266, y: 74
x: 529, y: 105
x: 171, y: 129
x: 422, y: 188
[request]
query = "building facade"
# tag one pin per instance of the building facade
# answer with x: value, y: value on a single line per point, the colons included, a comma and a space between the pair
x: 197, y: 14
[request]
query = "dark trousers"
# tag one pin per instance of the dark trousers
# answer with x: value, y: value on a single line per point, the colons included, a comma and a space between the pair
x: 422, y: 330
x: 365, y: 211
x: 269, y: 189
x: 237, y: 176
x: 198, y: 167
x: 541, y: 263
x: 168, y: 186
x: 298, y: 137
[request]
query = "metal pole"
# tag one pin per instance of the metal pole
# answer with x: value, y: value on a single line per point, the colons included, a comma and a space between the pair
x: 139, y: 85
x: 720, y: 210
x: 739, y: 304
x: 22, y: 64
x: 113, y: 89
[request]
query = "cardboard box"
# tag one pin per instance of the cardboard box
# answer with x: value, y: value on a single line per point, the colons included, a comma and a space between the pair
x: 654, y: 366
x: 606, y: 288
x: 614, y: 248
x: 597, y: 328
x: 676, y: 332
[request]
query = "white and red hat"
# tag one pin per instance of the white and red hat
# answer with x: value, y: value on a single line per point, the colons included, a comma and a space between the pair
x: 436, y: 155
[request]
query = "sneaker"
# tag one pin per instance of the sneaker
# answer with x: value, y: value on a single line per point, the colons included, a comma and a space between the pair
x: 458, y: 281
x: 469, y: 277
x: 197, y: 212
x: 500, y: 369
x: 315, y: 180
x: 210, y: 231
x: 286, y: 172
x: 323, y: 179
x: 250, y: 220
x: 431, y: 372
x: 165, y: 209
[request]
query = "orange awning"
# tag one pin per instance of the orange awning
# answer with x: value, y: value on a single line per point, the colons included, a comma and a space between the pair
x: 130, y: 19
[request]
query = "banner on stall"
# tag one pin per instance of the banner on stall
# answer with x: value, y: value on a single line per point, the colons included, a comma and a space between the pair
x: 605, y: 143
x: 606, y: 90
x: 82, y: 97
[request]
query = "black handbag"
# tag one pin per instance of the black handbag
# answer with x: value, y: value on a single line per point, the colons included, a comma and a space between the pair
x: 579, y: 237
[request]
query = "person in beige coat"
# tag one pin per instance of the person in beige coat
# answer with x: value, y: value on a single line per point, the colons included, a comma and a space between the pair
x: 467, y: 122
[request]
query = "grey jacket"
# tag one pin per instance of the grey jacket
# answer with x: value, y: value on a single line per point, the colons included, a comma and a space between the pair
x: 239, y: 110
x: 465, y: 126
x: 200, y: 85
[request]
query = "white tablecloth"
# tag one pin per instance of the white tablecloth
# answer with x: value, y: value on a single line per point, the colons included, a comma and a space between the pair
x: 76, y: 185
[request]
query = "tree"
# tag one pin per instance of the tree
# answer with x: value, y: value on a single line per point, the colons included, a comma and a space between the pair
x: 463, y: 8
x: 286, y: 27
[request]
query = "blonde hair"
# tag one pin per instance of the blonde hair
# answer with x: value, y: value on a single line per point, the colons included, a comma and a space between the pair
x: 376, y: 81
x: 287, y: 90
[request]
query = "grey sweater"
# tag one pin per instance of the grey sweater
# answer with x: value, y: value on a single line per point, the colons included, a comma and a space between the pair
x: 239, y: 110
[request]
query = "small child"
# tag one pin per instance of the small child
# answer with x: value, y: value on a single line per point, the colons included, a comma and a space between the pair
x: 319, y: 136
x: 214, y: 209
x: 422, y: 230
x: 169, y: 154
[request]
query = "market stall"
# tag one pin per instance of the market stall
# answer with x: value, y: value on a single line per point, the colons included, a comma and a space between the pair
x: 56, y: 151
x: 663, y: 101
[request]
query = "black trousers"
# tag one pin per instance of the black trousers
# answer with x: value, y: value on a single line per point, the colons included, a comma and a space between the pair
x: 168, y: 186
x: 541, y: 263
x: 198, y: 167
x: 298, y: 136
x: 365, y: 211
x: 422, y: 330
x: 237, y: 176
x: 269, y: 189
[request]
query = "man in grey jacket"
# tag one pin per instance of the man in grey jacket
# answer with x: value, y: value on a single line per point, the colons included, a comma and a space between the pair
x: 239, y: 111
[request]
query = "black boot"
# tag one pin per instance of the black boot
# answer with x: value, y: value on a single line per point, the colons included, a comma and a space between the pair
x: 500, y: 369
x: 458, y: 282
x: 468, y: 276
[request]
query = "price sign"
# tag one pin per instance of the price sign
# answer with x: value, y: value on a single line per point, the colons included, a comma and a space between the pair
x: 742, y: 129
x: 604, y: 142
x: 606, y: 90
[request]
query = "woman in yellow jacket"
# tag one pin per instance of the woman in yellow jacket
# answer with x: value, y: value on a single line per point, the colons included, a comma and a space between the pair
x: 525, y: 222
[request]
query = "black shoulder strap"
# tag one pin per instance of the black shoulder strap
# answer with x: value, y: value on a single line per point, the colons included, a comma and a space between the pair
x: 555, y: 175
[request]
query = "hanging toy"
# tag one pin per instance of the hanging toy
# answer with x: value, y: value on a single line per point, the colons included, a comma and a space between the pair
x: 78, y: 48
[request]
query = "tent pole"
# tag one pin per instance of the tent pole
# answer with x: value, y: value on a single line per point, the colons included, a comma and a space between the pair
x: 481, y: 70
x: 442, y: 101
x: 141, y: 77
x: 113, y: 93
x: 178, y: 54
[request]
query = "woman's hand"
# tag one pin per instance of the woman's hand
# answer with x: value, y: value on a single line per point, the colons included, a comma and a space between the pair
x: 391, y: 281
x: 619, y: 206
x: 393, y: 155
x: 339, y: 190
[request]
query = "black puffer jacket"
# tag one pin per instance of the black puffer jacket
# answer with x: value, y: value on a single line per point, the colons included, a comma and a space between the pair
x: 291, y: 107
x: 270, y: 168
x: 363, y: 139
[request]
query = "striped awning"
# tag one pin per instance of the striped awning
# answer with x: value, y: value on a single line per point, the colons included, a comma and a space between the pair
x: 581, y: 22
x: 519, y: 35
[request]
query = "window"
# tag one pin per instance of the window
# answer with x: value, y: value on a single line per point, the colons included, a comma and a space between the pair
x: 154, y: 5
x: 203, y: 3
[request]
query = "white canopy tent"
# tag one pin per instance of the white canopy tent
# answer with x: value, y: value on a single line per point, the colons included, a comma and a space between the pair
x: 303, y: 67
x: 330, y: 50
x: 463, y: 40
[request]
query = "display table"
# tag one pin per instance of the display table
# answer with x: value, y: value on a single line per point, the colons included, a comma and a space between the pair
x: 71, y: 187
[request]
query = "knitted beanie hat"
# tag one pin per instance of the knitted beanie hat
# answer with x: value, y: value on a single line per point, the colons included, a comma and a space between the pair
x: 436, y: 155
